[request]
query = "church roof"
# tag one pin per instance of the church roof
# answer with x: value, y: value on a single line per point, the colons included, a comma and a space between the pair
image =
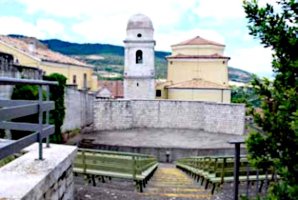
x: 197, y: 84
x: 139, y: 21
x: 198, y: 41
x: 40, y: 52
x: 213, y: 56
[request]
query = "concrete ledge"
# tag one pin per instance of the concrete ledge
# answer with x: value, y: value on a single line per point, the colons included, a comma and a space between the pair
x: 29, y: 178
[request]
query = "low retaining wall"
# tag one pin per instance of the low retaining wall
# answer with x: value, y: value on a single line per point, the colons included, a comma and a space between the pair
x: 207, y: 116
x: 27, y: 178
x: 166, y: 154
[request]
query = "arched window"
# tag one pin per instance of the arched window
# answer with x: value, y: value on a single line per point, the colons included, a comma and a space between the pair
x: 139, y: 57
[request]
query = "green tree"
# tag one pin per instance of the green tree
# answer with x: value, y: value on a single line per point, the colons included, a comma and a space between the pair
x: 27, y: 92
x: 278, y: 30
x: 57, y: 95
x: 30, y: 92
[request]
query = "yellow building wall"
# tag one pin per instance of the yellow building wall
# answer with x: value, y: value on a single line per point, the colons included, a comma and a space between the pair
x: 67, y: 70
x: 197, y: 50
x: 22, y: 58
x: 163, y: 89
x: 215, y: 71
x: 213, y: 95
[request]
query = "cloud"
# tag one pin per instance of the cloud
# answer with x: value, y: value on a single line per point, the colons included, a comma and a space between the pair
x: 11, y: 24
x: 255, y: 59
x: 42, y: 28
x: 89, y: 9
x: 220, y: 10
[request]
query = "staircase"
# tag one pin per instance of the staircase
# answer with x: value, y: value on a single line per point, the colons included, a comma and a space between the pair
x: 169, y: 182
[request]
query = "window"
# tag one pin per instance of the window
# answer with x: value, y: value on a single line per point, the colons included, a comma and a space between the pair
x: 74, y: 79
x: 85, y: 81
x: 137, y: 84
x: 158, y: 93
x: 139, y: 57
x: 139, y: 35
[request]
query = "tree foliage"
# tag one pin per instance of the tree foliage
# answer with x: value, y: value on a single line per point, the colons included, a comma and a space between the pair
x: 57, y: 95
x: 277, y: 29
x: 245, y: 95
x: 26, y: 92
x: 30, y: 92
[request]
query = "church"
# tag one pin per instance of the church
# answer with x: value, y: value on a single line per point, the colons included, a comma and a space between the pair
x: 197, y: 68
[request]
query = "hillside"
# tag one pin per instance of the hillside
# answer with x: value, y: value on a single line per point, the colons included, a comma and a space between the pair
x: 110, y: 58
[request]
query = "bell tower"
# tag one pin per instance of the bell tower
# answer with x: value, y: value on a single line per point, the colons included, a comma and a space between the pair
x: 139, y: 70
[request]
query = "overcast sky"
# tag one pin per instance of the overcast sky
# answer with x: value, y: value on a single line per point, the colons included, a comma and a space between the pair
x: 98, y: 21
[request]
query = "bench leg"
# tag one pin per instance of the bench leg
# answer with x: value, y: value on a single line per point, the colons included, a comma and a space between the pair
x: 213, y: 188
x: 139, y: 186
x: 261, y: 186
x: 103, y: 179
x: 93, y: 180
x: 207, y: 183
x: 202, y: 180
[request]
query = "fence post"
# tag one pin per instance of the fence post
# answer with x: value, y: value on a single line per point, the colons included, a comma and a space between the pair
x: 48, y: 114
x: 40, y: 113
x: 237, y: 144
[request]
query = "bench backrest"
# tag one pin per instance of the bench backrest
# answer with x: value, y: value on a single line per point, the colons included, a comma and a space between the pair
x: 110, y: 161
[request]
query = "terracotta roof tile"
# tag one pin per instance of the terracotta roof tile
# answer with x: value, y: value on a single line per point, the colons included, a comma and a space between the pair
x: 41, y: 52
x: 197, y: 84
x: 198, y: 41
x: 115, y: 87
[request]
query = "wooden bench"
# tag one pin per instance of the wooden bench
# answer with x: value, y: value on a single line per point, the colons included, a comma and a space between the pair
x: 217, y: 170
x: 137, y: 167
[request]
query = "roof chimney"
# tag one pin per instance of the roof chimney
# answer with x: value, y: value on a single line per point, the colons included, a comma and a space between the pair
x: 32, y: 48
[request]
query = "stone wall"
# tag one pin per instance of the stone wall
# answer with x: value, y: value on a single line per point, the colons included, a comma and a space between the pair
x: 28, y: 178
x: 210, y: 117
x: 79, y: 109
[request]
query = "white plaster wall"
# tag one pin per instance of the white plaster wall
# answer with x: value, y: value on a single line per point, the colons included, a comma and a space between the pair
x: 139, y: 88
x: 132, y: 34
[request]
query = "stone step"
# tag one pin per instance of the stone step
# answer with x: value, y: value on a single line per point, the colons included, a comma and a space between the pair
x: 170, y: 183
x: 181, y: 195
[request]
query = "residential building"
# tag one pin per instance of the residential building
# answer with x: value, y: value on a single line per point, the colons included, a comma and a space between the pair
x: 30, y: 52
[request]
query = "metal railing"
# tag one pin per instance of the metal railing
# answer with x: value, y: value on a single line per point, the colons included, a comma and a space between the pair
x: 12, y: 109
x: 259, y: 179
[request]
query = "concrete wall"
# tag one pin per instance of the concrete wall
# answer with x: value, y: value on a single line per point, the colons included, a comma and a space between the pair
x: 79, y: 109
x: 27, y: 178
x: 211, y: 117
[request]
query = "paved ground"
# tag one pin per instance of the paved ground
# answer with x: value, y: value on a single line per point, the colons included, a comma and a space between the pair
x: 175, y: 138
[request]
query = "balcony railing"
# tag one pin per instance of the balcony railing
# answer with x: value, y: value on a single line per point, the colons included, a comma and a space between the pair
x: 12, y: 109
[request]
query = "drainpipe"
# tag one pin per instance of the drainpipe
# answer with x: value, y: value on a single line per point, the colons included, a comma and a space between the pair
x: 221, y: 95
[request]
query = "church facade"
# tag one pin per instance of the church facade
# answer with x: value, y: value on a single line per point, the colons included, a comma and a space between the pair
x: 197, y: 70
x: 139, y: 69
